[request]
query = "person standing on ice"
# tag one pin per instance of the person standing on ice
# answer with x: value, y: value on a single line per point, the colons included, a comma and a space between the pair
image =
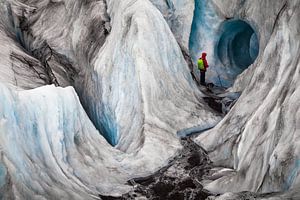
x: 202, y: 66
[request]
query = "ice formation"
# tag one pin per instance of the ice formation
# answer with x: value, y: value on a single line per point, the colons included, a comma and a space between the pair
x: 135, y: 92
x: 231, y: 43
x: 237, y: 47
x: 259, y: 138
x: 94, y: 93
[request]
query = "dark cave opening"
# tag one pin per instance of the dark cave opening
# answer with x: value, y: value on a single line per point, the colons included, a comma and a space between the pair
x: 238, y: 46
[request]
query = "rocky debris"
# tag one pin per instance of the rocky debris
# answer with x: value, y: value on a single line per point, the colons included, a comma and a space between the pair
x: 179, y: 180
x: 214, y: 103
x: 218, y: 98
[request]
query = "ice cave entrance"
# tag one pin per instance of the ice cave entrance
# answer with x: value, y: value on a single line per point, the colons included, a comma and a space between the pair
x: 238, y: 46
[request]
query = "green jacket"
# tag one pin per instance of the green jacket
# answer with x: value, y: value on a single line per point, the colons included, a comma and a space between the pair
x: 201, y: 64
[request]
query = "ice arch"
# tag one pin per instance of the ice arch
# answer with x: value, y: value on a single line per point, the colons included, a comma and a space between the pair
x: 237, y: 47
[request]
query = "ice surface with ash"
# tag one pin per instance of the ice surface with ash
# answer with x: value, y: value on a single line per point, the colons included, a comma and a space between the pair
x: 94, y: 93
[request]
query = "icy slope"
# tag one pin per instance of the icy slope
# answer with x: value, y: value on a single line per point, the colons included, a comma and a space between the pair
x: 259, y: 138
x: 49, y: 147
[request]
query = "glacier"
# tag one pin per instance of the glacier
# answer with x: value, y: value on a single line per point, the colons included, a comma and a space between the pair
x: 258, y: 138
x: 95, y: 93
x: 122, y: 91
x: 231, y: 43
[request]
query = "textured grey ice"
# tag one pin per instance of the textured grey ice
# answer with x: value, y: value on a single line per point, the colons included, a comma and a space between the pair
x: 94, y: 92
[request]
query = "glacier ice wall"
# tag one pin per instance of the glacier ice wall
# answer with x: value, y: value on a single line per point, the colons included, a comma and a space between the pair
x: 260, y: 135
x: 103, y: 76
x: 231, y: 43
x: 203, y: 37
x: 51, y: 150
x: 135, y: 92
x: 139, y: 84
x: 49, y: 147
x: 179, y: 16
x: 17, y: 67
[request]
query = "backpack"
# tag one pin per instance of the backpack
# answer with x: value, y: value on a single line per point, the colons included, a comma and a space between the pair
x: 201, y: 64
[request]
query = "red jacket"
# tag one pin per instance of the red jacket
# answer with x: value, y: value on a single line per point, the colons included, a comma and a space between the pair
x: 204, y: 61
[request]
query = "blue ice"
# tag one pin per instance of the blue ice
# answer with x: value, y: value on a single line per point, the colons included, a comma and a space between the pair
x: 232, y: 45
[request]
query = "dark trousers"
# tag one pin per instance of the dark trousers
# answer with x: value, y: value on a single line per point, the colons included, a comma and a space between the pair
x: 202, y: 77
